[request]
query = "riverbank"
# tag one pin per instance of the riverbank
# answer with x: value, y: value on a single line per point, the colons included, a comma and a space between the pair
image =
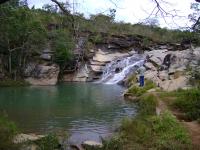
x: 181, y: 107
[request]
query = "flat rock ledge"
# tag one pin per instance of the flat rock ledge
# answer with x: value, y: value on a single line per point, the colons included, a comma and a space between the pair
x: 21, y: 138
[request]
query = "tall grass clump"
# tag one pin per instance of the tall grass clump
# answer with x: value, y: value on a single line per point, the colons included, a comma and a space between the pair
x: 7, y: 132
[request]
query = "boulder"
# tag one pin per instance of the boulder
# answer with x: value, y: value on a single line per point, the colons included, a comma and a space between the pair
x: 157, y: 56
x: 150, y: 66
x: 156, y: 61
x: 105, y: 57
x: 175, y: 84
x: 153, y: 76
x: 96, y: 68
x: 43, y: 74
x: 163, y: 75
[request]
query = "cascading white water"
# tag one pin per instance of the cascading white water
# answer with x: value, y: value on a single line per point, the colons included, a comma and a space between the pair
x: 119, y: 69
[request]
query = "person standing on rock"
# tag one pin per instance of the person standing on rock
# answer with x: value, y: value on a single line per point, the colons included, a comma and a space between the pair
x: 141, y: 72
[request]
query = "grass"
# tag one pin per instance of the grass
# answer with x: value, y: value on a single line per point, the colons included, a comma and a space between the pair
x: 7, y: 131
x: 188, y: 101
x: 139, y: 91
x: 148, y: 131
x: 49, y: 142
x: 155, y: 132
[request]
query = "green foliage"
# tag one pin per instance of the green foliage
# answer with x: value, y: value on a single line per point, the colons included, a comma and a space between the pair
x: 138, y: 91
x: 147, y: 104
x: 21, y: 33
x: 62, y: 44
x: 152, y: 132
x: 101, y: 22
x: 7, y: 132
x: 49, y: 142
x: 195, y: 16
x: 131, y: 80
x: 188, y: 101
x: 96, y: 38
x: 149, y: 131
x: 169, y: 132
x: 195, y: 77
x: 146, y: 42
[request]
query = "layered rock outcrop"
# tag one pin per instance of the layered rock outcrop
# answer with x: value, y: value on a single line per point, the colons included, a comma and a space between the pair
x: 42, y: 74
x: 168, y: 68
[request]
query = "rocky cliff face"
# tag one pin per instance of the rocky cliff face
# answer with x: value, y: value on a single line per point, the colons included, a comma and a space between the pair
x: 168, y: 69
x: 42, y: 74
x: 116, y: 47
x: 166, y: 62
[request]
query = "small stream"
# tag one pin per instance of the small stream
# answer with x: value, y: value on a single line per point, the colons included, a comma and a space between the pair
x: 87, y: 111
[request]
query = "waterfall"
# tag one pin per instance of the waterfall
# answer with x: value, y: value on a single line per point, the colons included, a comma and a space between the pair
x: 119, y: 69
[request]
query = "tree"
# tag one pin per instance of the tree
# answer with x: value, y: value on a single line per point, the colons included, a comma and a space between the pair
x: 153, y: 22
x: 20, y: 34
x: 195, y: 16
x: 50, y: 8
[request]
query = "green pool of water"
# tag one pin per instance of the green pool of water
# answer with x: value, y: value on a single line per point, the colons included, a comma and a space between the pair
x: 85, y: 110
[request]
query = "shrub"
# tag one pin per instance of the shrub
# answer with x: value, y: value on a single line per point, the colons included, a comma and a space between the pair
x: 147, y: 104
x: 7, y: 132
x: 49, y: 142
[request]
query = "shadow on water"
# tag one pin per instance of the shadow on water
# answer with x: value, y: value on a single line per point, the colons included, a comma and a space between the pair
x: 86, y: 110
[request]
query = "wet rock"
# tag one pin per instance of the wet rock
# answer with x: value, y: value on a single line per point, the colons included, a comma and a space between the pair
x: 21, y: 138
x: 92, y: 144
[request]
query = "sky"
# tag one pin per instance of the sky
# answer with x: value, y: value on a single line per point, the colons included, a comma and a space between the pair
x: 132, y: 11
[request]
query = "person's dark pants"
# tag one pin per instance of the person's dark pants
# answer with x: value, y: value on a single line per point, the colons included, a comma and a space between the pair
x: 141, y: 80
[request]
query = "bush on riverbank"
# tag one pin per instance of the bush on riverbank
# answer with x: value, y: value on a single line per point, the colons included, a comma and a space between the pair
x: 49, y: 142
x: 7, y: 131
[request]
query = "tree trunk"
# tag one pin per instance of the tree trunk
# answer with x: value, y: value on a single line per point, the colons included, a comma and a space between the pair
x: 10, y: 62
